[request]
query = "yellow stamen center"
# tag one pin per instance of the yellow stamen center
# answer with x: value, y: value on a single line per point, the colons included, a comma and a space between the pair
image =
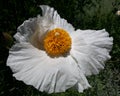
x: 57, y: 42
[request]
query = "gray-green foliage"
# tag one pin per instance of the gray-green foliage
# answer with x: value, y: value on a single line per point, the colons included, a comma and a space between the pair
x: 83, y: 14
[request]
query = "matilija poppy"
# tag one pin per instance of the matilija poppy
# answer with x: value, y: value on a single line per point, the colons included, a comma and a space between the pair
x: 52, y: 56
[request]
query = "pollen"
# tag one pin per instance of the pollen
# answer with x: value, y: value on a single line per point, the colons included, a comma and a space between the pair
x: 57, y: 42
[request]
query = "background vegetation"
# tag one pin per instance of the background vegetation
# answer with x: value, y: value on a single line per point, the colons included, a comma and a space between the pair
x: 83, y: 14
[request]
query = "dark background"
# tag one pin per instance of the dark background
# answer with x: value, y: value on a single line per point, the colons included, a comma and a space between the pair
x: 82, y: 14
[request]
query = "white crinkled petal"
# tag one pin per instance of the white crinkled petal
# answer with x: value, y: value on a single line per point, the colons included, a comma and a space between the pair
x: 25, y: 30
x: 57, y: 22
x: 35, y: 68
x: 90, y: 49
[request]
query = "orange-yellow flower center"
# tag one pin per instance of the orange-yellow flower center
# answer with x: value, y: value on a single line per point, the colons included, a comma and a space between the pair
x: 57, y: 42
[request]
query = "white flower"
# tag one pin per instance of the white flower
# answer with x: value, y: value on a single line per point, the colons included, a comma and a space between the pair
x: 51, y: 56
x: 118, y: 12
